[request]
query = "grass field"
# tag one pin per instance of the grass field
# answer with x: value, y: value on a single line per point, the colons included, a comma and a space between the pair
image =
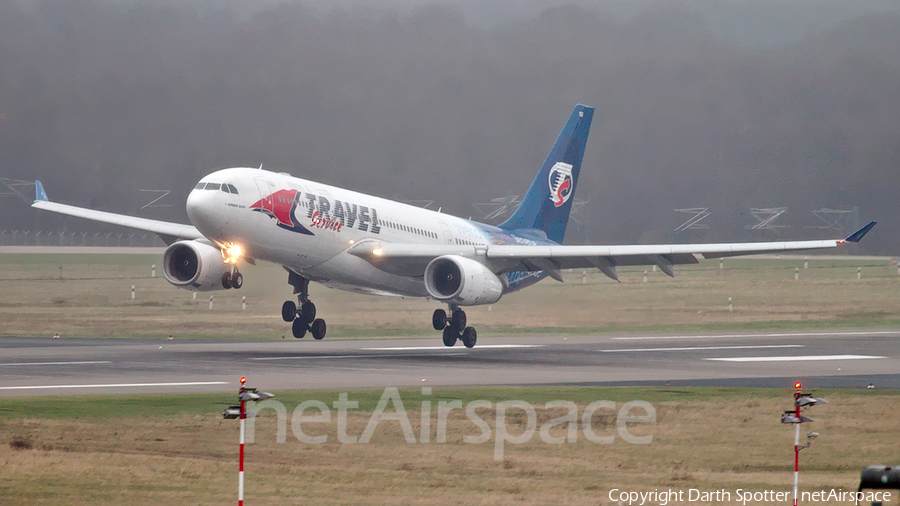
x: 178, y: 450
x: 89, y: 295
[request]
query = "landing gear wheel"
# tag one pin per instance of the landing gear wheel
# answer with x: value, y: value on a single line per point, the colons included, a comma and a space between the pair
x: 469, y: 336
x: 458, y: 320
x: 308, y: 313
x: 450, y: 336
x: 439, y: 319
x: 237, y: 280
x: 318, y: 329
x: 226, y: 280
x: 299, y: 328
x: 288, y: 311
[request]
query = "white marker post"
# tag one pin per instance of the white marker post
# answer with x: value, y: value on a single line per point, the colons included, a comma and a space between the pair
x: 859, y: 273
x: 730, y: 305
x: 132, y: 292
x: 153, y: 271
x: 645, y: 276
x: 210, y: 301
x: 721, y: 264
x: 796, y: 273
x: 243, y: 303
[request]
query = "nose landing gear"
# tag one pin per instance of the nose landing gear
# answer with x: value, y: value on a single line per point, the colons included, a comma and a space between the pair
x: 304, y: 319
x: 232, y: 279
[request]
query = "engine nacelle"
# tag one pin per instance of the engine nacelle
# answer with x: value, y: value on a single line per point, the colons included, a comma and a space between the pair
x: 194, y: 265
x: 463, y: 281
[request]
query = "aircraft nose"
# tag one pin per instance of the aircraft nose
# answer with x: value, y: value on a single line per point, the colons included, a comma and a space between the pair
x: 199, y: 210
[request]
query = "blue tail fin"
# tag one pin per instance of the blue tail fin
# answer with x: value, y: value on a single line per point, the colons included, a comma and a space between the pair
x: 39, y: 193
x: 547, y: 204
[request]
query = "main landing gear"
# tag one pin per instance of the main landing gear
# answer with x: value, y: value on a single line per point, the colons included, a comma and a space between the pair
x: 304, y: 319
x: 454, y: 327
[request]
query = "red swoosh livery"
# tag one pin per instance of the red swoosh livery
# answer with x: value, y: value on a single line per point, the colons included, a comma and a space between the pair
x: 281, y: 206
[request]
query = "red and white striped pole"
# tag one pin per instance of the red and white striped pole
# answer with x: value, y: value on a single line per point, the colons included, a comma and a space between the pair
x: 797, y: 387
x: 796, y: 450
x: 241, y: 464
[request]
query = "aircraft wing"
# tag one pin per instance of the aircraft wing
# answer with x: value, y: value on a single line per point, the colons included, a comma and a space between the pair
x: 170, y: 232
x: 409, y: 258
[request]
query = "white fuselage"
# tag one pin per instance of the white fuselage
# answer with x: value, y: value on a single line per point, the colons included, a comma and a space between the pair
x: 308, y: 227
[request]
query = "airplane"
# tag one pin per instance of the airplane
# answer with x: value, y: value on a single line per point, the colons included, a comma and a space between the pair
x: 362, y: 243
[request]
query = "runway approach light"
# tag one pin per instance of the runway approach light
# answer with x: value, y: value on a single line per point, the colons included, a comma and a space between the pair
x: 805, y: 400
x: 245, y: 395
x: 791, y: 417
x: 252, y: 395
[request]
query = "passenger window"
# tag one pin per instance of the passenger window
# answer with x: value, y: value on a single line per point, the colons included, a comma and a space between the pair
x: 200, y: 186
x: 212, y: 186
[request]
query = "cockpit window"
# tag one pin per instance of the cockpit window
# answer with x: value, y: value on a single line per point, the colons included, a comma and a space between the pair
x: 227, y: 188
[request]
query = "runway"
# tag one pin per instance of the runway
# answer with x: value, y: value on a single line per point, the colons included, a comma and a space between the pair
x: 826, y: 359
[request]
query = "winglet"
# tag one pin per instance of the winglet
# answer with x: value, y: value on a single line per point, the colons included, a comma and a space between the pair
x: 39, y: 193
x: 856, y: 236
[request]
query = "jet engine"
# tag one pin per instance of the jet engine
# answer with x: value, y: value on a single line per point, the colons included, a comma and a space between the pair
x: 463, y: 281
x: 195, y: 265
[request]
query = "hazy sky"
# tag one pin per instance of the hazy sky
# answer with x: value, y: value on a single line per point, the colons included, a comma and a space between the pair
x: 726, y: 105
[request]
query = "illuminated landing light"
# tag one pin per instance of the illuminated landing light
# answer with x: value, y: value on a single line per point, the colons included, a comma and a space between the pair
x: 232, y: 253
x: 376, y: 252
x: 798, y: 385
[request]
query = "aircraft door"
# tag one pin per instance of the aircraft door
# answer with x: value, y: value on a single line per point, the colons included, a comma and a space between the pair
x: 445, y: 230
x: 266, y: 189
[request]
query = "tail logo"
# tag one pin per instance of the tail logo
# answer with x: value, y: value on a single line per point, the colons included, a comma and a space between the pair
x: 561, y: 183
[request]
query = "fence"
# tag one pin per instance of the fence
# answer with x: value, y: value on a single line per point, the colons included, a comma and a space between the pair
x: 62, y: 238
